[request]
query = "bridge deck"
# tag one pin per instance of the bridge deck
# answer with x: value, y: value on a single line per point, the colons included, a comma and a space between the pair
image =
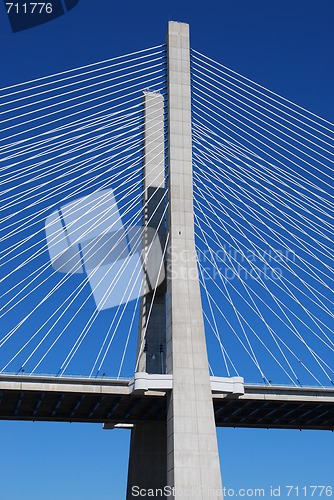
x: 111, y: 401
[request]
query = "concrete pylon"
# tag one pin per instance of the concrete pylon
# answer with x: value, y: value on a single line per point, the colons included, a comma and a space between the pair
x: 182, y: 453
x: 192, y: 450
x: 151, y: 346
x: 148, y: 446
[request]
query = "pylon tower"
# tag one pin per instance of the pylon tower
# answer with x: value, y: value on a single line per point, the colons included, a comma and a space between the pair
x: 181, y: 452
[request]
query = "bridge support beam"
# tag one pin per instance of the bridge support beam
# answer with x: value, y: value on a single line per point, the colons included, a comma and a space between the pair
x: 192, y: 451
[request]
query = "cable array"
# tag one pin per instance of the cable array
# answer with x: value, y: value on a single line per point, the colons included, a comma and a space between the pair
x: 67, y: 141
x: 263, y: 215
x: 264, y: 211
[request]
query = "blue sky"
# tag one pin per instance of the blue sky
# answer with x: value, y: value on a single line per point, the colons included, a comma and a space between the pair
x: 285, y: 46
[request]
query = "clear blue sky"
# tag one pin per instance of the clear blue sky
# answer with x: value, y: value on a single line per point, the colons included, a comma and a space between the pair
x: 285, y: 45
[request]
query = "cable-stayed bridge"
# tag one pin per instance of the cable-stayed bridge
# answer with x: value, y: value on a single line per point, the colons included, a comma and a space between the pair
x: 147, y: 199
x: 125, y: 402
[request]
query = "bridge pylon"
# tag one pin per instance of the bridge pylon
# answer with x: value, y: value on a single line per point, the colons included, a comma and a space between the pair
x: 148, y: 446
x: 181, y: 453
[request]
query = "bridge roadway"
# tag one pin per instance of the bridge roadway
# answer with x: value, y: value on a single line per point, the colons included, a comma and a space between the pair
x: 113, y: 402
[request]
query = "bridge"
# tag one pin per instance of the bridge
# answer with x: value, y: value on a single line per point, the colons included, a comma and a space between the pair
x: 125, y: 403
x: 162, y: 193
